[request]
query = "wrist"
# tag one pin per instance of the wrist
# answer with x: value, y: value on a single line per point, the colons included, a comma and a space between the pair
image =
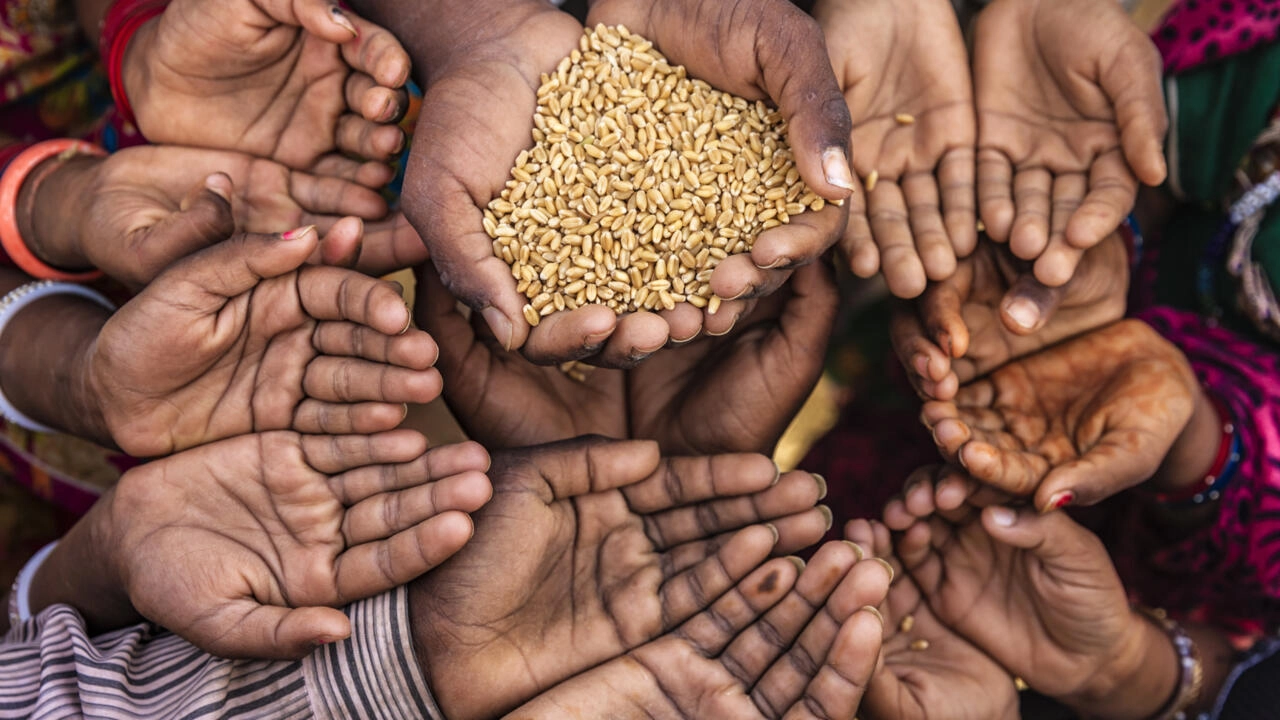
x: 1138, y: 680
x: 50, y: 232
x: 1193, y: 453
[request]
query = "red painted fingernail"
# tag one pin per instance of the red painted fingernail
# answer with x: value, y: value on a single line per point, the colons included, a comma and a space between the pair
x: 1058, y: 501
x: 298, y: 233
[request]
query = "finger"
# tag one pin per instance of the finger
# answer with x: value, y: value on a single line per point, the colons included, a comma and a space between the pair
x: 924, y: 213
x: 1029, y: 304
x: 316, y: 417
x: 899, y: 261
x: 340, y: 246
x: 950, y: 436
x: 801, y: 241
x: 334, y: 196
x: 857, y: 243
x: 348, y: 380
x: 246, y: 629
x: 686, y: 481
x: 203, y: 219
x: 568, y: 335
x: 1113, y: 190
x: 637, y: 336
x: 712, y: 629
x: 1133, y: 85
x: 956, y: 173
x: 377, y: 53
x: 692, y: 590
x: 375, y: 567
x: 391, y: 245
x: 750, y: 654
x: 1049, y: 537
x: 338, y: 294
x: 842, y: 680
x: 586, y: 465
x: 332, y: 454
x: 236, y: 266
x: 372, y: 101
x: 319, y: 17
x: 737, y: 277
x: 1059, y: 259
x: 799, y: 531
x: 1122, y: 459
x: 918, y: 355
x: 684, y: 324
x: 942, y: 312
x: 995, y: 193
x: 446, y: 461
x: 1032, y: 197
x: 368, y: 140
x: 385, y: 514
x: 1017, y: 473
x: 370, y: 174
x: 726, y: 317
x: 415, y: 350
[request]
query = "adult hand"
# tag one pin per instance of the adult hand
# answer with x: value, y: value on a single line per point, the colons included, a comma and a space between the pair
x: 767, y: 50
x: 751, y: 381
x: 949, y: 679
x: 237, y: 339
x: 905, y: 74
x: 148, y: 207
x: 244, y: 547
x: 1073, y: 424
x: 1038, y: 593
x: 774, y: 646
x: 1070, y: 118
x: 993, y: 310
x: 301, y: 82
x: 603, y: 546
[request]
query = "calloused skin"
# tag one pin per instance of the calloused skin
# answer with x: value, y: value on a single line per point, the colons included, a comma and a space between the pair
x: 753, y: 379
x: 240, y: 338
x: 776, y: 646
x: 977, y: 320
x: 1073, y: 424
x: 1071, y: 117
x: 949, y: 680
x: 300, y: 82
x: 894, y: 59
x: 604, y: 546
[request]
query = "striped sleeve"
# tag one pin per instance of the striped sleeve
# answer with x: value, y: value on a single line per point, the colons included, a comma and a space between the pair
x: 51, y: 668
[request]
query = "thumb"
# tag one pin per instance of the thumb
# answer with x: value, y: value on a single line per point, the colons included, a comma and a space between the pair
x: 277, y: 633
x: 1054, y: 538
x: 236, y: 266
x: 581, y: 466
x: 203, y: 218
x: 342, y: 243
x: 1029, y: 304
x: 321, y: 18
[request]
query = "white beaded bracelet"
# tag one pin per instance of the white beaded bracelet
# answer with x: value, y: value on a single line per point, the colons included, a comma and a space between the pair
x: 11, y: 305
x: 20, y: 595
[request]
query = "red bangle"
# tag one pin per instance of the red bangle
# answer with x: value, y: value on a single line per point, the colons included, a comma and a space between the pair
x: 10, y: 186
x: 123, y: 19
x: 1220, y: 461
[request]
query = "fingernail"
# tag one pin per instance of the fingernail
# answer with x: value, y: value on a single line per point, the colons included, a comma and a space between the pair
x: 822, y: 485
x: 777, y: 475
x: 1004, y: 517
x: 219, y: 185
x: 780, y: 262
x: 638, y: 357
x: 857, y: 549
x: 798, y: 562
x: 404, y: 414
x: 500, y: 326
x: 340, y: 18
x: 1024, y: 313
x: 597, y: 339
x: 1058, y: 500
x: 826, y: 515
x: 887, y: 567
x: 298, y: 233
x: 773, y: 530
x: 921, y: 364
x: 835, y: 166
x: 870, y: 610
x: 728, y: 329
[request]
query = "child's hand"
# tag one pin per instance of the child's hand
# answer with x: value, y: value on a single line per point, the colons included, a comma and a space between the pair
x: 245, y: 546
x: 1070, y: 117
x: 905, y: 74
x: 301, y: 82
x: 238, y: 339
x: 993, y: 311
x: 1073, y: 424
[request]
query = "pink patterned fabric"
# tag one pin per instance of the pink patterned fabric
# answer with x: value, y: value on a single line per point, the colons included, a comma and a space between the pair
x: 1196, y: 32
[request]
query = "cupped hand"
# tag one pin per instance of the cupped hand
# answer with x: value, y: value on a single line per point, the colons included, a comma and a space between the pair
x: 774, y: 646
x: 245, y: 547
x: 1038, y: 594
x: 767, y: 50
x: 242, y: 338
x: 905, y: 74
x: 1073, y: 424
x: 301, y: 82
x: 928, y: 672
x: 993, y: 311
x: 751, y: 382
x: 1070, y: 117
x: 603, y: 546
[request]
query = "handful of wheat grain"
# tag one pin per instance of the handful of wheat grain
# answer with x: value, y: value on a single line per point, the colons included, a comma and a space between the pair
x: 640, y: 181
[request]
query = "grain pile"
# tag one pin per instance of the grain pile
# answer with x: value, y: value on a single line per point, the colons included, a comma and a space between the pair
x: 640, y: 181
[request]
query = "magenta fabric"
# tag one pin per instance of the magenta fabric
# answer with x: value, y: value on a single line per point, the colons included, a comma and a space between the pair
x: 1196, y: 32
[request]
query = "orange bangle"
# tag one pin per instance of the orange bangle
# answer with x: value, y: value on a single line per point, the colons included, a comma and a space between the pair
x: 11, y: 184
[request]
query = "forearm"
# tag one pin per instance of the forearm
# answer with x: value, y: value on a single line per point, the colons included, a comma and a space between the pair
x: 1192, y: 455
x: 44, y: 351
x: 48, y: 210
